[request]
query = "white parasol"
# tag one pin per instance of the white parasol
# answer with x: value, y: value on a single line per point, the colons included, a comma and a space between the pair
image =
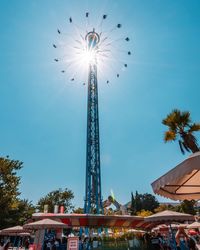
x: 194, y: 225
x: 45, y: 224
x: 13, y: 231
x: 168, y: 216
x: 182, y: 182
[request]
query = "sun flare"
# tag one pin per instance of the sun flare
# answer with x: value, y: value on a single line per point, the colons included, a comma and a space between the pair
x: 88, y: 46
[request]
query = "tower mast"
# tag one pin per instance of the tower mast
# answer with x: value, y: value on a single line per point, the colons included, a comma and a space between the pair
x: 93, y: 197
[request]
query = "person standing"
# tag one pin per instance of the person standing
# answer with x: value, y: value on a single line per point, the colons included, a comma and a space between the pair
x: 155, y: 242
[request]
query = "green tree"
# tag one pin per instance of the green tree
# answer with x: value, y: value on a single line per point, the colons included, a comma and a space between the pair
x: 138, y: 202
x: 132, y: 206
x: 181, y: 128
x: 9, y: 189
x: 149, y: 202
x: 187, y: 207
x: 163, y: 207
x: 57, y: 197
x: 22, y: 211
x: 78, y: 210
x: 145, y: 202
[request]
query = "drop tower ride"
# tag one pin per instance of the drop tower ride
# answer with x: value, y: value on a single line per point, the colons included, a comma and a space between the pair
x: 93, y: 196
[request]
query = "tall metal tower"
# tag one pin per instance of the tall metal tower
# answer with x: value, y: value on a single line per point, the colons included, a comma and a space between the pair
x: 92, y: 49
x: 93, y: 198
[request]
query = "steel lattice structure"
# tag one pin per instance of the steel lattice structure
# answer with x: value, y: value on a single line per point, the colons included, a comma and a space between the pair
x: 96, y: 47
x: 93, y: 198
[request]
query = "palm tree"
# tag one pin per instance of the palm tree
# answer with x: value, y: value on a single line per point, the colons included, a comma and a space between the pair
x: 181, y: 128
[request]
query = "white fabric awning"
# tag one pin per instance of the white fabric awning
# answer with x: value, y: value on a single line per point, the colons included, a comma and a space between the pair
x: 182, y: 182
x: 45, y: 224
x: 12, y: 230
x: 194, y: 225
x: 169, y: 217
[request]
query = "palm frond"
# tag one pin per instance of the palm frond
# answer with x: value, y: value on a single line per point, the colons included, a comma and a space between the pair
x: 169, y: 136
x: 176, y: 115
x: 194, y: 127
x: 191, y: 137
x: 191, y: 142
x: 168, y: 121
x: 185, y: 118
x: 181, y: 146
x: 186, y: 147
x: 172, y: 120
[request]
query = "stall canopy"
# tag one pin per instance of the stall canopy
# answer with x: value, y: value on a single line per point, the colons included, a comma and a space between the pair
x: 194, y: 225
x: 10, y: 231
x: 182, y: 182
x: 92, y: 220
x: 167, y: 227
x: 169, y: 217
x: 45, y: 224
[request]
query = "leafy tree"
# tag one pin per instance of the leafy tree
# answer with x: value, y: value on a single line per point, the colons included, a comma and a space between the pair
x: 187, y: 207
x: 78, y: 210
x: 132, y: 207
x: 146, y: 202
x: 181, y: 128
x: 149, y: 202
x: 9, y: 189
x: 163, y: 207
x: 138, y: 202
x: 57, y: 197
x: 22, y: 211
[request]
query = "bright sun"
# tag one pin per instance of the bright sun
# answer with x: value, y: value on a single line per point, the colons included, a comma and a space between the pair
x: 88, y: 56
x: 92, y: 47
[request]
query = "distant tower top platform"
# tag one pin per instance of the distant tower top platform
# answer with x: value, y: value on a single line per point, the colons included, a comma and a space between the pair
x: 92, y: 39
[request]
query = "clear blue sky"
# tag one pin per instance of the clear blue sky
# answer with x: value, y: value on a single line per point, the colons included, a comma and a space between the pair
x: 43, y: 118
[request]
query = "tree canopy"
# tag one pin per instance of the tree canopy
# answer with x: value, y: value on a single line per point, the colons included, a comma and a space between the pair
x: 78, y: 210
x: 187, y: 207
x: 60, y: 197
x: 143, y: 202
x: 13, y: 210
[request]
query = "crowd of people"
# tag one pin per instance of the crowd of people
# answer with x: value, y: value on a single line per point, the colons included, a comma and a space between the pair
x: 170, y: 240
x: 87, y: 243
x: 179, y: 240
x: 6, y: 243
x: 54, y: 244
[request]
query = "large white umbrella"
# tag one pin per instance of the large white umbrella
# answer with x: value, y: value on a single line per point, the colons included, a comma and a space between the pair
x: 182, y: 182
x: 45, y: 224
x: 168, y: 216
x: 194, y: 225
x: 174, y: 226
x: 24, y: 234
x: 12, y: 231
